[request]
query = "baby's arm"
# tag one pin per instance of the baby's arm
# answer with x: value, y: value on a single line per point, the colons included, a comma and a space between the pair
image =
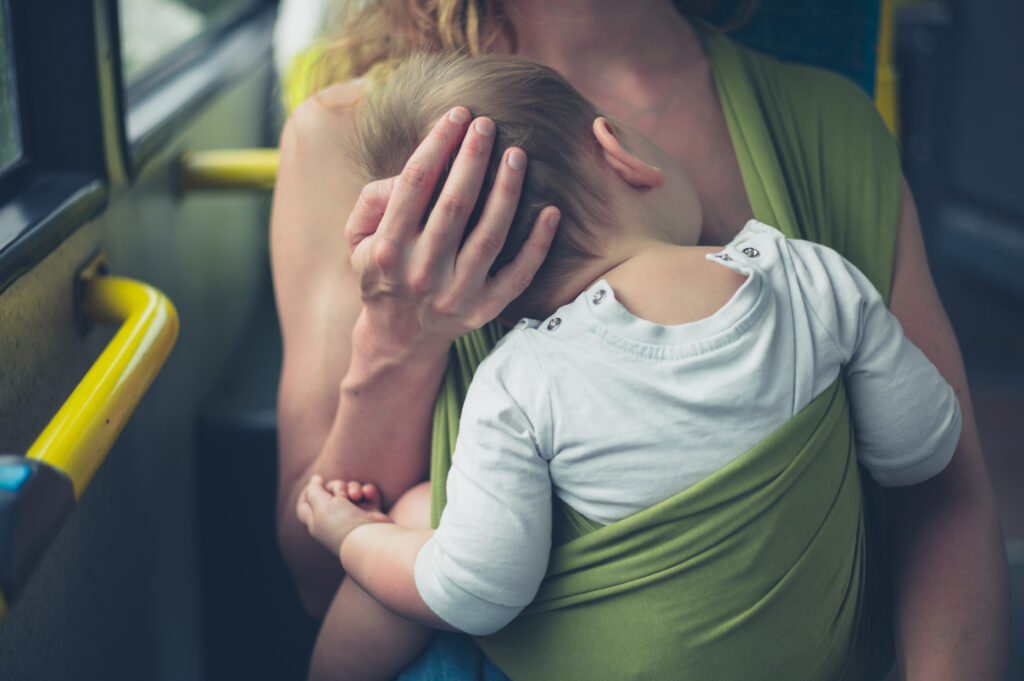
x: 381, y: 558
x: 906, y: 416
x: 489, y: 555
x: 345, y: 517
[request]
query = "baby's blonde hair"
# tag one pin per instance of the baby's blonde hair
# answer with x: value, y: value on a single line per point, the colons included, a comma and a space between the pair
x: 534, y: 109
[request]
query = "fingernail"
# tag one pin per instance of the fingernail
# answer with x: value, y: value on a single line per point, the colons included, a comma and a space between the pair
x: 458, y: 115
x: 553, y: 219
x: 484, y: 126
x: 516, y: 159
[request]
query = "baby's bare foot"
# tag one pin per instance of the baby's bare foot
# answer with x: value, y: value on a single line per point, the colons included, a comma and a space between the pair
x: 329, y: 512
x: 364, y: 495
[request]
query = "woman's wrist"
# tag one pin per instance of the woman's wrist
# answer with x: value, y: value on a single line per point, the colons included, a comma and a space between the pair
x: 378, y: 353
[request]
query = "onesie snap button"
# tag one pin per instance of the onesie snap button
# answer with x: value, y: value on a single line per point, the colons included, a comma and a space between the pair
x: 599, y: 295
x: 554, y: 323
x: 723, y: 256
x: 751, y: 252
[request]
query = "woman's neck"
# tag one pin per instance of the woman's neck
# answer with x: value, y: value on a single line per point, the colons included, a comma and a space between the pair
x: 643, y: 62
x: 582, y: 37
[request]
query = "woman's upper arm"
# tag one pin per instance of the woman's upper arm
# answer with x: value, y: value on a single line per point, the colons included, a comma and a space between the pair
x: 314, y: 286
x: 915, y: 302
x: 952, y: 585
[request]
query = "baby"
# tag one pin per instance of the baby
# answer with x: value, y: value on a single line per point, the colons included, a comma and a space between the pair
x: 643, y: 363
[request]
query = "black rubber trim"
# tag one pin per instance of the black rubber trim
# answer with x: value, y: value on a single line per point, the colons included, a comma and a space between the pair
x: 39, y: 218
x: 30, y: 518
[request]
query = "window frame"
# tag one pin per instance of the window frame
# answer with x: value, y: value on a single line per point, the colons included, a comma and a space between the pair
x: 12, y: 171
x: 169, y: 92
x: 73, y: 158
x: 60, y: 181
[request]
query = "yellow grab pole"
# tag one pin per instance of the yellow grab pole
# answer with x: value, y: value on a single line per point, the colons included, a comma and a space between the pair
x: 85, y: 428
x: 886, y: 79
x: 228, y: 169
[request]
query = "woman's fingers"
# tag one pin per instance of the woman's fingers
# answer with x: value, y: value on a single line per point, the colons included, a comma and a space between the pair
x: 513, y: 278
x: 414, y: 187
x: 488, y: 236
x: 447, y: 221
x: 366, y: 215
x: 419, y: 284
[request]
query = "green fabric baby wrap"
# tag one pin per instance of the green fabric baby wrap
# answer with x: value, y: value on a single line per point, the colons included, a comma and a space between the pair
x: 754, y: 569
x: 766, y: 569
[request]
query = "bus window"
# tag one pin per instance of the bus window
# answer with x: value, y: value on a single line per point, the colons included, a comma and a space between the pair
x: 153, y: 29
x: 10, y: 134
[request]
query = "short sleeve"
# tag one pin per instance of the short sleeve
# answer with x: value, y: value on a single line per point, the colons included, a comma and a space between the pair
x: 906, y: 417
x: 490, y: 551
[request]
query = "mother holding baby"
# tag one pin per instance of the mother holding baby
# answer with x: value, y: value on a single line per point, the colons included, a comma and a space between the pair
x: 368, y: 340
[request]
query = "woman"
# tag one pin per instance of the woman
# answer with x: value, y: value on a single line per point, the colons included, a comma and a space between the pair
x: 368, y: 318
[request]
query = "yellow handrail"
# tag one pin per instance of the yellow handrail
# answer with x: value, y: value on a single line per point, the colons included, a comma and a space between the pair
x: 83, y: 431
x: 886, y: 79
x: 228, y: 169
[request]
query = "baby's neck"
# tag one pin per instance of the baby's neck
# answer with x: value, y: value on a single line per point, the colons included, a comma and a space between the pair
x: 671, y: 284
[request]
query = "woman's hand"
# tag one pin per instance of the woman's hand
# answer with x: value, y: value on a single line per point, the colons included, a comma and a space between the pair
x: 420, y: 289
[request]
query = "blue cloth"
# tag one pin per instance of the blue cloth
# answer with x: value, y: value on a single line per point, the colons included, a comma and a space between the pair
x: 452, y: 657
x: 841, y: 35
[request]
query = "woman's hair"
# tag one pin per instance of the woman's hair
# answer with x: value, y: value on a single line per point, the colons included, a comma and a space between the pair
x: 533, y: 108
x: 375, y: 35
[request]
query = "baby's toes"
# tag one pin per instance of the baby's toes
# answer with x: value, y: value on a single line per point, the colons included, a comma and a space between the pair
x: 371, y: 496
x: 336, y: 487
x: 354, y: 491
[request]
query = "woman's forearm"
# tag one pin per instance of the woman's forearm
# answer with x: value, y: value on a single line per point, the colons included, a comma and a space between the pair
x: 380, y: 434
x: 952, y: 609
x: 952, y: 583
x: 381, y: 431
x: 366, y: 336
x: 381, y: 558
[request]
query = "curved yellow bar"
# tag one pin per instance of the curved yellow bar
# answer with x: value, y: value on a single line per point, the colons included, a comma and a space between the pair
x: 83, y: 431
x: 228, y: 169
x: 886, y: 78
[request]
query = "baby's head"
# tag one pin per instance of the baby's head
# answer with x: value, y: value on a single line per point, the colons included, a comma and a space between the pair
x: 533, y: 108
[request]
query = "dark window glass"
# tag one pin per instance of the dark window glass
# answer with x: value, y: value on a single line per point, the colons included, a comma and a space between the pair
x: 10, y: 134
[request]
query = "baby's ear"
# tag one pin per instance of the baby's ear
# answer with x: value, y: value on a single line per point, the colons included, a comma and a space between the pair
x: 635, y: 171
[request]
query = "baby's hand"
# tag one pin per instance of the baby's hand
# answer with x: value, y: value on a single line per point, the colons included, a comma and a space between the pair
x: 330, y: 511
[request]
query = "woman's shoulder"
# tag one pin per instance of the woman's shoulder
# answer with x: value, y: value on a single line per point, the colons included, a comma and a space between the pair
x: 322, y: 117
x: 800, y: 86
x: 831, y: 97
x: 314, y: 143
x: 316, y: 187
